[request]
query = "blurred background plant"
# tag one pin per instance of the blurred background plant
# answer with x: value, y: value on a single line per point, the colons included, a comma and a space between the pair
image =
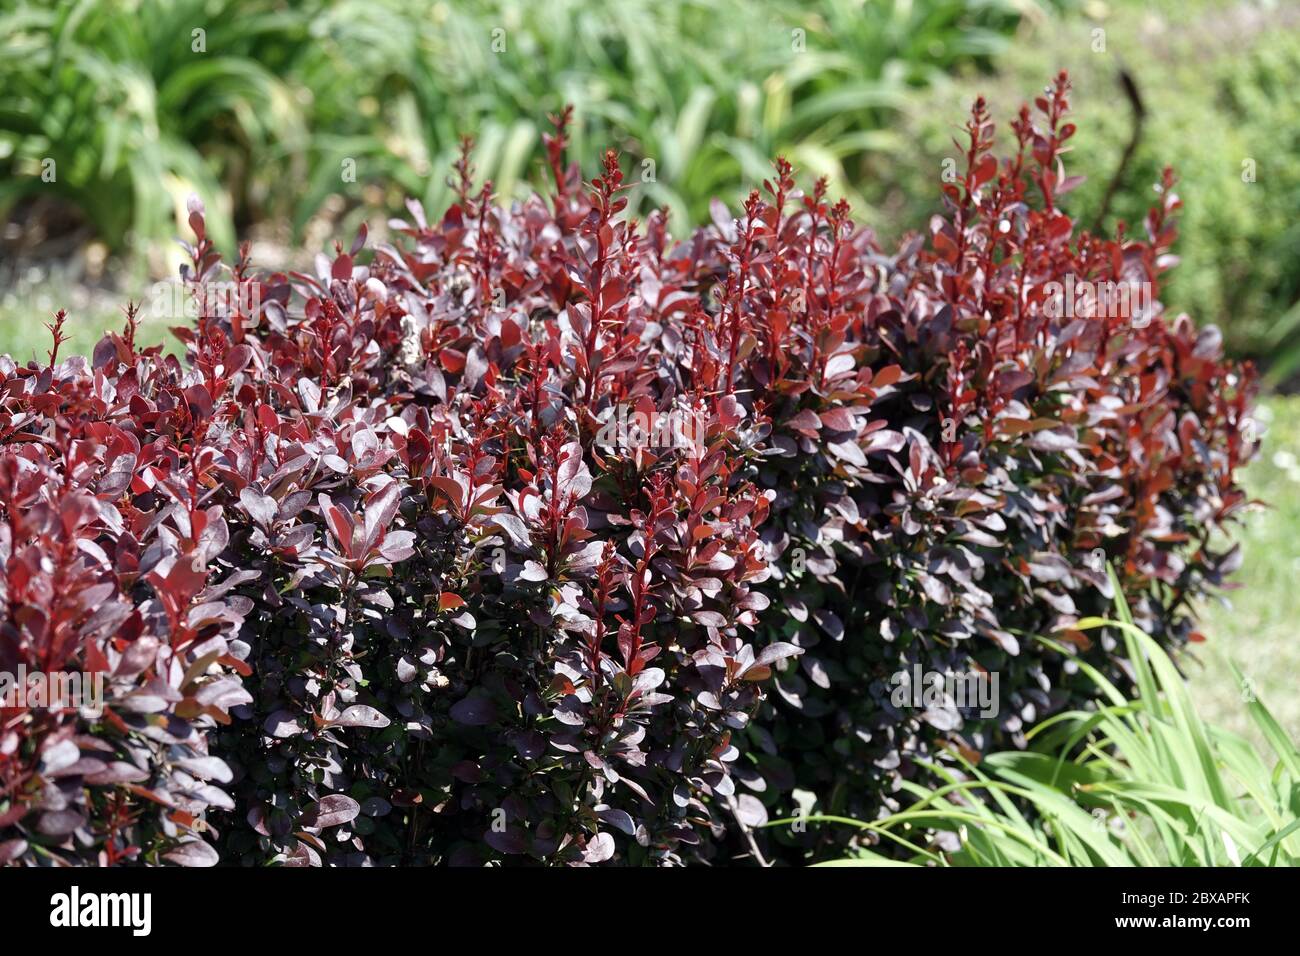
x: 1216, y: 81
x: 113, y: 113
x: 270, y: 109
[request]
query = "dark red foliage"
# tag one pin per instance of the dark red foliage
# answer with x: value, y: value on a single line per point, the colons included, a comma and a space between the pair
x: 532, y: 538
x: 109, y: 543
x: 1023, y: 446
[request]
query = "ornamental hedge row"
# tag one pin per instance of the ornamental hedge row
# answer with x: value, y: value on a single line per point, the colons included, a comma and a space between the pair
x: 541, y: 537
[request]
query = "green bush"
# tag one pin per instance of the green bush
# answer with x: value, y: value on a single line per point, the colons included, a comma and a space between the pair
x: 109, y: 108
x: 287, y: 104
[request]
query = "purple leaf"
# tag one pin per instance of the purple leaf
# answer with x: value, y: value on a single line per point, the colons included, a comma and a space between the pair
x: 193, y: 853
x: 331, y: 811
x: 361, y: 715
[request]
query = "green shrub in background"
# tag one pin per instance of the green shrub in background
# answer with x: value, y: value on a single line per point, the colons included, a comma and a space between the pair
x: 123, y: 109
x: 266, y: 108
x: 1218, y: 83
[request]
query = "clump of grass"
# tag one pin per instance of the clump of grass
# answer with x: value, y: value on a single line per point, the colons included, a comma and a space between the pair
x: 1141, y: 781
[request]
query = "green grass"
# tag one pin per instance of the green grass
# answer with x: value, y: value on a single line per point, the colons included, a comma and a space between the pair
x: 1144, y: 780
x: 1259, y: 628
x: 26, y: 306
x: 25, y: 337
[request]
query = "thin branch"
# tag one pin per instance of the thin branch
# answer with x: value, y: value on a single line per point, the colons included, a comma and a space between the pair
x: 1129, y: 86
x: 734, y: 807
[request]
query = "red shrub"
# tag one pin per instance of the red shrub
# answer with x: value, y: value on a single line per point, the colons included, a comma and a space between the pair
x: 109, y: 545
x: 521, y: 518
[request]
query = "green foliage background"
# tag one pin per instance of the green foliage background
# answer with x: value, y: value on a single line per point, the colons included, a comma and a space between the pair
x: 262, y: 117
x: 1218, y: 81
